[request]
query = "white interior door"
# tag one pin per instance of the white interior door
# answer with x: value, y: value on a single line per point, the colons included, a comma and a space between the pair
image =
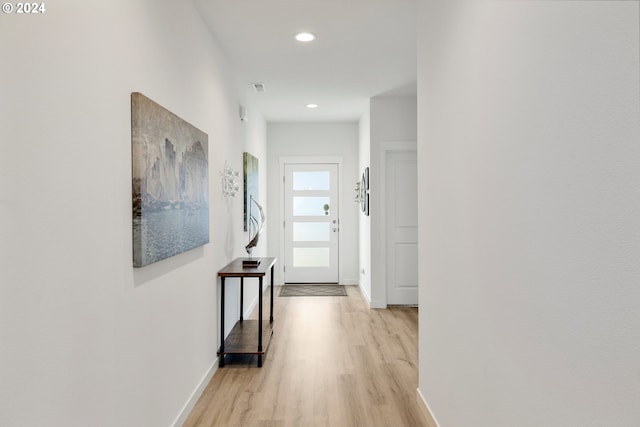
x: 311, y: 225
x: 402, y: 227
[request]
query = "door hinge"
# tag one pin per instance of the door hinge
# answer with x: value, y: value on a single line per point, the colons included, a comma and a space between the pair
x: 284, y: 268
x: 284, y: 224
x: 283, y: 179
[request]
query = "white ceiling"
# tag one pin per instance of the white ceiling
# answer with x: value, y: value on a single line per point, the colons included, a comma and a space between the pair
x: 364, y: 48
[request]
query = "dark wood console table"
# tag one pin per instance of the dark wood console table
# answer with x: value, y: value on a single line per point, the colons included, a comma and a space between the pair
x: 242, y: 338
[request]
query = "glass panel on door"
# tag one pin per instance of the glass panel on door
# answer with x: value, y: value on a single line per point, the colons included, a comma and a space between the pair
x: 319, y: 180
x: 311, y: 231
x: 311, y: 257
x: 311, y: 206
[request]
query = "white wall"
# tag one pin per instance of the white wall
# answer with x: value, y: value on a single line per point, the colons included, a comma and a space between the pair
x: 528, y: 152
x: 85, y: 339
x: 255, y: 142
x: 364, y: 161
x: 338, y: 139
x: 393, y: 120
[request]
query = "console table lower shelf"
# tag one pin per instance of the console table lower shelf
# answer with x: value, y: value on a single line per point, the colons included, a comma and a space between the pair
x: 242, y: 339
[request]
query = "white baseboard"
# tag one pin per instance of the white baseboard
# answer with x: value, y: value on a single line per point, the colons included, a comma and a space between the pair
x: 378, y: 304
x: 427, y: 408
x: 349, y: 282
x: 364, y: 293
x: 254, y: 303
x: 372, y: 303
x: 251, y: 306
x: 193, y: 399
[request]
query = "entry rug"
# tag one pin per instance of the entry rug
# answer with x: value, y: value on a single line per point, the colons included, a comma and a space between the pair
x: 313, y: 291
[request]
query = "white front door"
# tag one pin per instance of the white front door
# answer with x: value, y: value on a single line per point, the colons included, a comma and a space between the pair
x: 402, y: 227
x: 311, y: 225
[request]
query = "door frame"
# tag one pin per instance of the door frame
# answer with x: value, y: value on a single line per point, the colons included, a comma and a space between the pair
x: 381, y: 282
x: 309, y: 160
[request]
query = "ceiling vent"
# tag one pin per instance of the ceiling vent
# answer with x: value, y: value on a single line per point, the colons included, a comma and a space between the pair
x: 258, y: 87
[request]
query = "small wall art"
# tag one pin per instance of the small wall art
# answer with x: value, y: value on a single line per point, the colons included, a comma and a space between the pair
x: 250, y: 185
x: 170, y: 183
x: 364, y: 192
x: 366, y: 178
x: 366, y: 205
x: 230, y: 186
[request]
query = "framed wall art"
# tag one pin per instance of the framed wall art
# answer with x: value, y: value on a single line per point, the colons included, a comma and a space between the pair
x: 250, y: 184
x: 364, y: 192
x: 366, y: 178
x: 170, y: 183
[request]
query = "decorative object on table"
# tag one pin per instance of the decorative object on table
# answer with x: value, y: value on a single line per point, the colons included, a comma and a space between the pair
x: 230, y: 186
x: 170, y: 183
x: 250, y: 177
x: 257, y: 228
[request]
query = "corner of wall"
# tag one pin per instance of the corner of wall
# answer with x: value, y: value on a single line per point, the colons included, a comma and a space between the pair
x: 422, y: 401
x: 364, y: 222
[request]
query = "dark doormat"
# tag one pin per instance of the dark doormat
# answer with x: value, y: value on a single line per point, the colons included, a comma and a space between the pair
x: 313, y: 291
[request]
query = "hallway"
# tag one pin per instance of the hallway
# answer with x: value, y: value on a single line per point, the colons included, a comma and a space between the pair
x: 332, y: 362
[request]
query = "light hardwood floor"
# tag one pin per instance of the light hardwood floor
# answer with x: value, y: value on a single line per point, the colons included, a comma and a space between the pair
x: 332, y: 362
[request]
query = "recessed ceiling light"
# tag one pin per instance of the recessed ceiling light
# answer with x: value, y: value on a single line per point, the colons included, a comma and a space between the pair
x: 305, y: 37
x: 312, y: 105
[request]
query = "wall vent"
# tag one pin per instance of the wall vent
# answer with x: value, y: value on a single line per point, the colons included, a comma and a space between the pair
x: 258, y: 87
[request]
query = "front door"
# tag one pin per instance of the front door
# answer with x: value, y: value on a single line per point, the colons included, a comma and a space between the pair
x: 311, y: 225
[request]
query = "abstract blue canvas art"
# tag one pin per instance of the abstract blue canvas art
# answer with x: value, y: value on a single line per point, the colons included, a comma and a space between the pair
x: 170, y: 183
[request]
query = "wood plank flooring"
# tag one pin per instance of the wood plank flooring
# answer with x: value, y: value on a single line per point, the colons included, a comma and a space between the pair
x: 332, y: 362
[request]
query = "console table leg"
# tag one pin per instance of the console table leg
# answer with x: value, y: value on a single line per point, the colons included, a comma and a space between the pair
x: 260, y: 317
x: 241, y: 297
x: 271, y: 300
x: 221, y: 362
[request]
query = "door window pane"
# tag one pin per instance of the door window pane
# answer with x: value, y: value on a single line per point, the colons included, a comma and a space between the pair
x: 310, y: 206
x: 311, y: 257
x: 311, y: 231
x: 316, y: 180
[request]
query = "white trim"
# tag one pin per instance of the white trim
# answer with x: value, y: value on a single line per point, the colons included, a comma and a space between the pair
x: 309, y: 160
x: 312, y: 160
x: 364, y: 293
x: 385, y: 148
x: 252, y: 305
x: 427, y: 407
x: 193, y: 399
x: 378, y: 304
